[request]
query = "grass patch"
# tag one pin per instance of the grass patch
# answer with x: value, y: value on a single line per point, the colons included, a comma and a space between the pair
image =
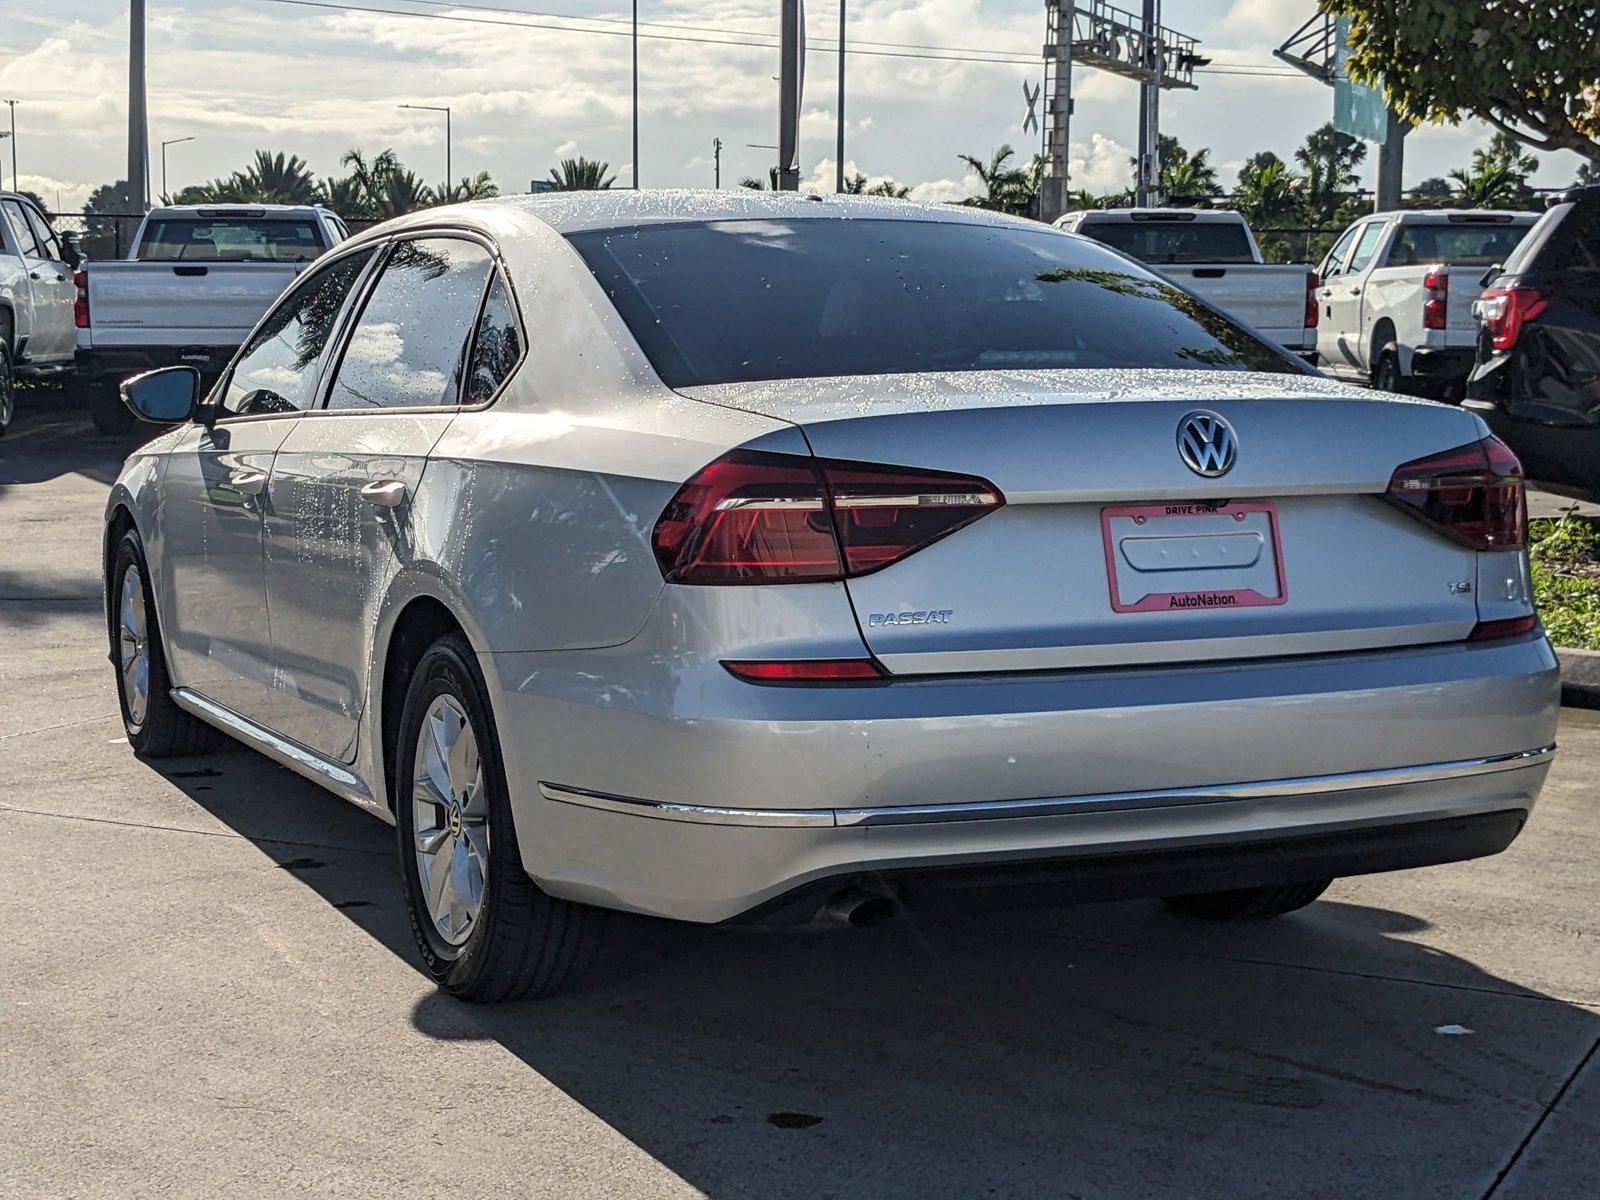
x: 1566, y: 579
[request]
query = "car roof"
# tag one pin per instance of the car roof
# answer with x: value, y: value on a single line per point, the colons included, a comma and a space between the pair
x: 571, y: 212
x: 226, y: 209
x: 1461, y: 216
x: 1214, y: 215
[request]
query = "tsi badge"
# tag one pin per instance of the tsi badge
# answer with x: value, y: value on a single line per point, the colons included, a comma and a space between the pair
x: 932, y: 616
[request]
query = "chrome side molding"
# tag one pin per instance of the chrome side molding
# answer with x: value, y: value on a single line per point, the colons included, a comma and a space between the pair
x: 1047, y: 806
x: 336, y: 777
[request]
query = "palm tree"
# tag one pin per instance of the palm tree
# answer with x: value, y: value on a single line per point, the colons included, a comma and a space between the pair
x: 1267, y: 193
x: 889, y: 188
x: 1005, y: 187
x: 278, y: 179
x: 344, y: 196
x: 1489, y: 185
x: 1187, y: 178
x: 581, y: 175
x: 397, y: 192
x: 471, y: 187
x: 756, y: 185
x: 1330, y: 159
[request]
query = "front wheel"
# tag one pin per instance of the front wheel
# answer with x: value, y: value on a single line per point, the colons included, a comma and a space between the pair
x: 1249, y: 903
x: 486, y: 931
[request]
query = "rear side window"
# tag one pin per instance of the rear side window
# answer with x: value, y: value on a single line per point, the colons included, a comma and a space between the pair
x: 1173, y: 241
x: 1366, y: 247
x: 496, y: 346
x: 232, y: 239
x: 409, y: 348
x: 277, y: 372
x: 734, y: 301
x: 1567, y: 238
x: 1456, y: 245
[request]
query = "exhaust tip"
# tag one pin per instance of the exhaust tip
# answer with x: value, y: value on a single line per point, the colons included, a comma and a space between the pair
x: 860, y: 909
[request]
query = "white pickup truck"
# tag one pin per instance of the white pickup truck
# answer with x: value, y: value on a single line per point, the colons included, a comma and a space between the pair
x: 36, y: 298
x: 1212, y: 253
x: 1397, y: 291
x: 196, y: 280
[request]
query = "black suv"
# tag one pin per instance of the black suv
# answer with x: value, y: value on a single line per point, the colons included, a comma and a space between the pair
x: 1537, y: 377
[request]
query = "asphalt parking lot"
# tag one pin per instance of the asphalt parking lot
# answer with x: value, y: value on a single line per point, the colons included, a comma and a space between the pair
x: 209, y: 989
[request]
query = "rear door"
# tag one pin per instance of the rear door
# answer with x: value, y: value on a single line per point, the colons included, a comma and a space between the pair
x: 343, y: 481
x: 55, y: 336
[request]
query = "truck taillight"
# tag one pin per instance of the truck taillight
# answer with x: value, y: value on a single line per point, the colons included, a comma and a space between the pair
x: 1473, y: 493
x: 1504, y: 310
x: 80, y: 304
x: 1313, y: 282
x: 755, y: 517
x: 1436, y: 283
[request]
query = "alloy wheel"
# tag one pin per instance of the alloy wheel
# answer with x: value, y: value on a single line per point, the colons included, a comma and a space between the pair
x: 133, y: 646
x: 8, y: 399
x: 450, y: 819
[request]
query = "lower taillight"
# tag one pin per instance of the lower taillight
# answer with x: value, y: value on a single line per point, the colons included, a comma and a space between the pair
x: 806, y: 670
x: 1473, y: 493
x: 755, y: 517
x: 80, y: 304
x: 1436, y: 301
x: 1505, y: 310
x: 1313, y: 283
x: 1489, y: 631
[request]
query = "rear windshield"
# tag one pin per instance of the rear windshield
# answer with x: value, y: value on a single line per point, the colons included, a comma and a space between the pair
x: 1455, y: 245
x: 233, y: 239
x: 735, y: 301
x: 1161, y: 242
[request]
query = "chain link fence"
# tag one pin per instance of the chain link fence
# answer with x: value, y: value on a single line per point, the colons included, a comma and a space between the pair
x: 100, y: 235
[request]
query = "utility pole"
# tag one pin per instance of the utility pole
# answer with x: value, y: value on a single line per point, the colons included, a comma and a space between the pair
x: 716, y: 159
x: 1148, y: 185
x: 138, y: 130
x: 164, y: 145
x: 791, y: 72
x: 839, y: 152
x: 449, y: 170
x: 16, y: 181
x: 635, y: 95
x: 1391, y: 163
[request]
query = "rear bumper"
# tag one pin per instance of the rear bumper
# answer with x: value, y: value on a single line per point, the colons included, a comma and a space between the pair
x: 617, y: 785
x: 1446, y: 364
x: 114, y: 364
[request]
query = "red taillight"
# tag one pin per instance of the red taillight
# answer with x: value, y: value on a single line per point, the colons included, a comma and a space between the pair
x: 1488, y: 631
x: 1435, y: 306
x: 806, y: 670
x: 80, y: 305
x: 1504, y: 310
x: 1313, y: 282
x: 1474, y: 493
x: 754, y: 517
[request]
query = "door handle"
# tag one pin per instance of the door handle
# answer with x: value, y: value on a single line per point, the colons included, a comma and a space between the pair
x: 248, y: 483
x: 1355, y: 291
x: 383, y: 493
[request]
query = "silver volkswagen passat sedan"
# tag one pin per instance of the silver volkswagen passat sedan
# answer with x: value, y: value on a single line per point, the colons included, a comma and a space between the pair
x: 739, y: 557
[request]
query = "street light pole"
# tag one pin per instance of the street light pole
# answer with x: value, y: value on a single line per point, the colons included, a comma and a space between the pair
x: 838, y: 183
x: 164, y: 145
x: 449, y: 168
x: 716, y: 158
x: 3, y: 136
x: 15, y: 178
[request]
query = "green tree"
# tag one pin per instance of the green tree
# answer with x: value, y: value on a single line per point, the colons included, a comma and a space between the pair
x: 1528, y: 68
x: 1435, y: 192
x: 856, y: 185
x: 471, y: 187
x: 581, y: 175
x: 1268, y: 196
x: 1006, y: 188
x: 1330, y: 160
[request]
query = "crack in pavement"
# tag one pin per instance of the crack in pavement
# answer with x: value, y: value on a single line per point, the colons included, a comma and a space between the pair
x: 1522, y: 1146
x: 216, y: 833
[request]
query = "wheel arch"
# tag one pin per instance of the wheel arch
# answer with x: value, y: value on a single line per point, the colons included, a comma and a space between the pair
x: 1382, y: 334
x: 119, y: 520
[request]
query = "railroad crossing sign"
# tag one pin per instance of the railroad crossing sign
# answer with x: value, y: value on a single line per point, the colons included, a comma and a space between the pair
x: 1030, y: 117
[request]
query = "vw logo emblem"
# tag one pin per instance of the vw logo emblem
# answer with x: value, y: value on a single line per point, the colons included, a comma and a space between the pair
x: 1207, y: 443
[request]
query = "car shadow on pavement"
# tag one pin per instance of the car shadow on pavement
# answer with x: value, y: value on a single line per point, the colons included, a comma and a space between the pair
x: 53, y: 436
x: 1099, y: 1050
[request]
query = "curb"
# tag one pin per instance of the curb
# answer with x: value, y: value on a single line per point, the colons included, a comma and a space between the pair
x: 1580, y: 677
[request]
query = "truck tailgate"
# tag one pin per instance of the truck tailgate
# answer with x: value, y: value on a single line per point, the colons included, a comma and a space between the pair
x: 160, y: 303
x: 1268, y: 296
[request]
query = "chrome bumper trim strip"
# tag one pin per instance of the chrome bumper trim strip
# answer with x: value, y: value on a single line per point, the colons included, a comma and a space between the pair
x: 1048, y: 806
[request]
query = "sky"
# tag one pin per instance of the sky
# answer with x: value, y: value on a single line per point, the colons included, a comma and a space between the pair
x: 238, y: 75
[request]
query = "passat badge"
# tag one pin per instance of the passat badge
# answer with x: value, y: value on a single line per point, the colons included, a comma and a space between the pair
x: 1207, y: 443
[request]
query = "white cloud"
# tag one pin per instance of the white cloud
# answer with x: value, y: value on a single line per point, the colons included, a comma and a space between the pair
x: 1100, y: 166
x: 946, y: 191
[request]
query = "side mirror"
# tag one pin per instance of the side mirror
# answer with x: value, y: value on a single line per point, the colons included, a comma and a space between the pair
x: 165, y: 397
x: 1490, y: 274
x: 72, y: 249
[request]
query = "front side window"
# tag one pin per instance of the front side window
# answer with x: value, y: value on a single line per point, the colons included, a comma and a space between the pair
x: 277, y: 373
x: 232, y: 239
x: 496, y: 347
x: 735, y: 301
x: 20, y: 233
x: 1334, y: 263
x: 408, y: 350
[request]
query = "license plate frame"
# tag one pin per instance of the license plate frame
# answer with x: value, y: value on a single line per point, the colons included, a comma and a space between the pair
x: 1193, y: 599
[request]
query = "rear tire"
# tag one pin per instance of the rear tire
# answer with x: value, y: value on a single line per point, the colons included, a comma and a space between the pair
x: 110, y: 415
x: 156, y: 726
x: 1249, y: 903
x: 8, y: 391
x: 485, y: 930
x: 1386, y: 376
